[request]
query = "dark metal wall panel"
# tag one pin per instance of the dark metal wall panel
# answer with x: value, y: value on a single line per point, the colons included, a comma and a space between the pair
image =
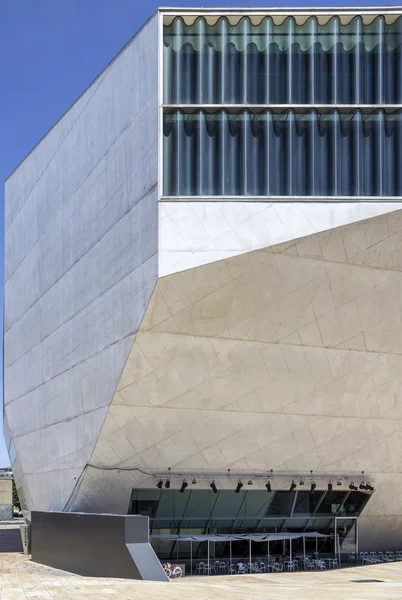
x: 95, y: 545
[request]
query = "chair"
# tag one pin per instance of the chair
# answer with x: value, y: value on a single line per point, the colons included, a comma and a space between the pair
x: 222, y: 567
x: 293, y: 565
x: 199, y: 569
x: 277, y: 567
x: 310, y: 564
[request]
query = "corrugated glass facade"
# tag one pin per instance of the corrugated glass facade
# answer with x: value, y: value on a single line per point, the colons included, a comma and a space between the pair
x: 275, y: 150
x: 313, y: 63
x: 283, y: 154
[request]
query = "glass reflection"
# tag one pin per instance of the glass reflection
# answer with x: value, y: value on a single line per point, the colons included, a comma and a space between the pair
x: 290, y: 63
x: 283, y: 154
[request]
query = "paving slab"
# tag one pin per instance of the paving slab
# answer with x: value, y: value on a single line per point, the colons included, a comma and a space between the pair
x: 22, y: 579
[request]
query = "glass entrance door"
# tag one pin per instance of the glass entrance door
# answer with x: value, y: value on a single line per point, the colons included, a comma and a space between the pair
x: 346, y: 539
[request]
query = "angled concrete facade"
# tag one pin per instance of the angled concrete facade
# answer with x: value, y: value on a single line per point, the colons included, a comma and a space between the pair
x: 287, y: 357
x: 156, y: 337
x: 80, y: 267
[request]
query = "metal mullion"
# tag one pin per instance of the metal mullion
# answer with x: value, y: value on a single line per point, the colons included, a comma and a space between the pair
x: 266, y: 510
x: 303, y: 11
x: 294, y: 503
x: 240, y: 507
x: 290, y: 516
x: 342, y: 503
x: 304, y: 199
x: 213, y: 508
x: 312, y: 517
x: 160, y: 104
x: 319, y: 503
x: 284, y: 106
x: 184, y: 512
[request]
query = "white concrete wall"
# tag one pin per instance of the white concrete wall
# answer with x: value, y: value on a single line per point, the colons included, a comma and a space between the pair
x: 200, y: 231
x: 80, y: 267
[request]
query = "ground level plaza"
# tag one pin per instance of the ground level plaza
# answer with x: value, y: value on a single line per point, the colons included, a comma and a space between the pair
x: 20, y: 579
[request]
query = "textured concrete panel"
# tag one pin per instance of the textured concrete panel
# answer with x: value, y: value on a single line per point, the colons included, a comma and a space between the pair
x: 287, y: 358
x: 80, y: 266
x: 192, y: 234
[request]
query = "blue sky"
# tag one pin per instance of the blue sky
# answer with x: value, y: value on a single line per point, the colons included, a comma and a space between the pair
x: 50, y: 51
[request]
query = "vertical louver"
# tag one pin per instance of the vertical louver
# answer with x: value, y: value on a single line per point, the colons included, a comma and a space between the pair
x: 279, y: 150
x: 283, y: 154
x: 283, y: 64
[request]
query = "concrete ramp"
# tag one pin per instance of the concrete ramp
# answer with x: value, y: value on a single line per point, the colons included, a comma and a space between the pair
x: 147, y: 562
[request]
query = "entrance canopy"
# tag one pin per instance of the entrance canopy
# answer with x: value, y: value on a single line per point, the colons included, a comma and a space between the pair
x: 222, y: 537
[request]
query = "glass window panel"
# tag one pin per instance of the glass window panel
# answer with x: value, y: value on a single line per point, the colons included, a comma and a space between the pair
x: 283, y: 154
x: 227, y: 503
x: 354, y: 503
x: 281, y: 504
x: 255, y: 504
x: 347, y: 536
x: 306, y: 502
x: 199, y: 503
x: 145, y: 502
x: 287, y: 63
x: 201, y: 511
x: 331, y: 503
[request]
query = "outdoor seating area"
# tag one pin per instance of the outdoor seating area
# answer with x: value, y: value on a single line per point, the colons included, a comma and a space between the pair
x: 374, y: 558
x: 265, y: 565
x: 246, y: 562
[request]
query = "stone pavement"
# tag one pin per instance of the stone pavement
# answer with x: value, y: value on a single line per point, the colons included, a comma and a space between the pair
x: 21, y: 579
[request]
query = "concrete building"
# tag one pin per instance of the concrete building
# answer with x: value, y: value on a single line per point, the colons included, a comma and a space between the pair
x: 203, y: 282
x: 6, y: 495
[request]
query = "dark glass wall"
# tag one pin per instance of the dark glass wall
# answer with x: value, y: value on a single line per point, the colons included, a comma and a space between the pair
x: 203, y: 511
x: 313, y: 63
x: 283, y: 153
